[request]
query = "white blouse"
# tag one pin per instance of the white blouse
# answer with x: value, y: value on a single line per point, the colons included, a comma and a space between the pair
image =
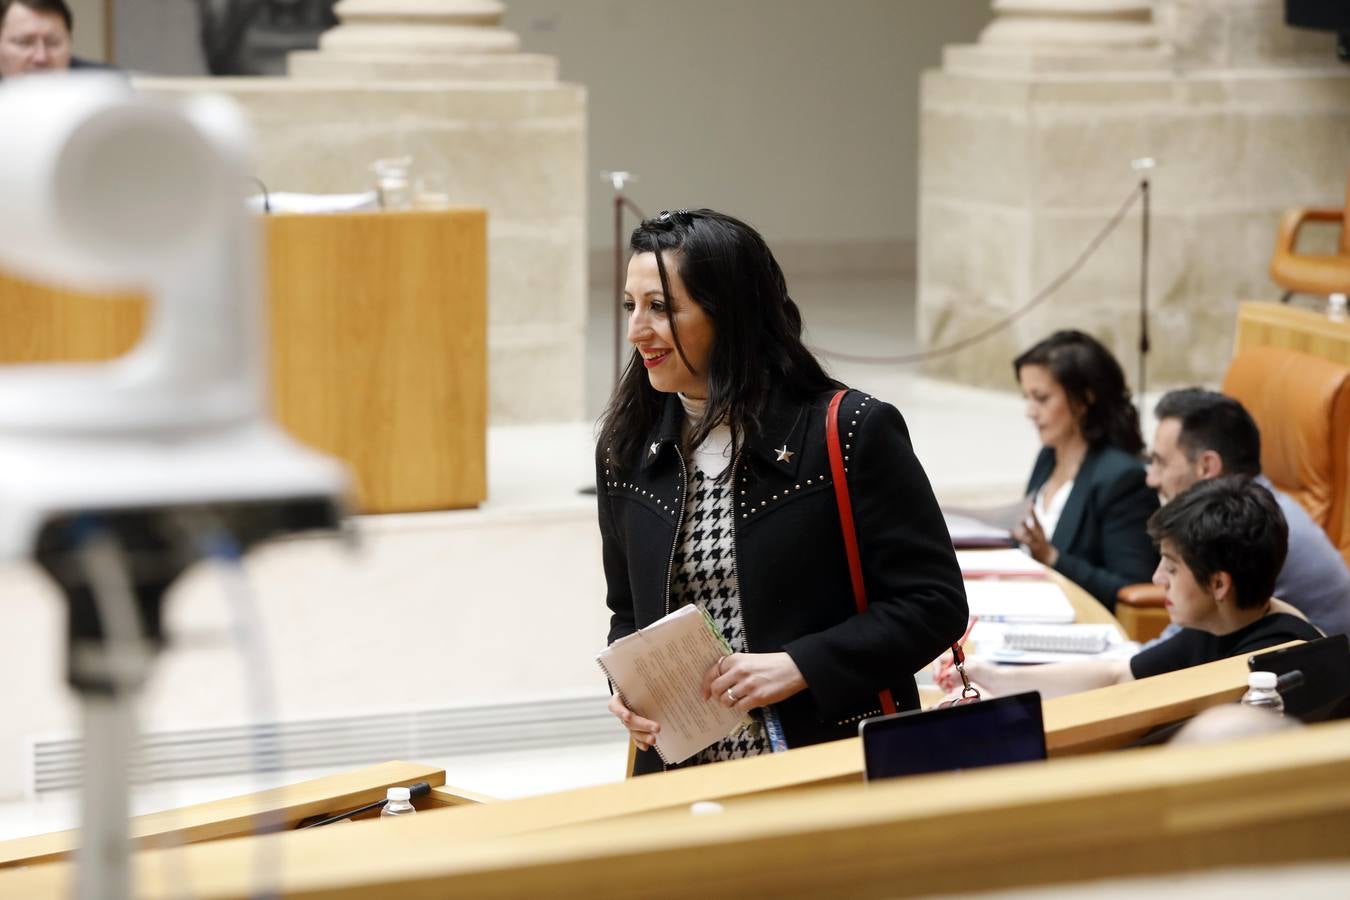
x: 1048, y: 513
x: 714, y: 454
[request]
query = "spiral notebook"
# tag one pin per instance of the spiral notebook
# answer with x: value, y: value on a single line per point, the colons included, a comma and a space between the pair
x: 1040, y: 643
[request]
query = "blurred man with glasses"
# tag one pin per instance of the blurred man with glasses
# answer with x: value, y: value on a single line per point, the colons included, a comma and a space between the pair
x: 35, y: 37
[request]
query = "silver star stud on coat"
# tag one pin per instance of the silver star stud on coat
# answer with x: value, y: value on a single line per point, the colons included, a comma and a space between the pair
x: 653, y: 448
x: 785, y: 455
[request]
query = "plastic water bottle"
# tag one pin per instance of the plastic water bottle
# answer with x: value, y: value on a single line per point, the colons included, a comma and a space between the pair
x: 1336, y: 307
x: 1261, y: 692
x: 398, y: 803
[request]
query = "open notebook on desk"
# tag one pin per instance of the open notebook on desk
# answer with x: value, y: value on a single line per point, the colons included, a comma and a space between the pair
x: 658, y: 673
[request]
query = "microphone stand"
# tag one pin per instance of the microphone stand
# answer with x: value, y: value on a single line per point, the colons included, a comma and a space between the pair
x: 618, y: 180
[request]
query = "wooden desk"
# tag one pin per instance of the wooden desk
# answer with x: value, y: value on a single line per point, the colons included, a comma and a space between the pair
x: 1086, y: 608
x: 239, y: 816
x: 378, y: 346
x: 1277, y: 798
x: 1296, y: 328
x: 1078, y: 724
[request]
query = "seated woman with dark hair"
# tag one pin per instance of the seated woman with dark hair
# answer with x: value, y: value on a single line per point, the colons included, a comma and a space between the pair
x: 1223, y: 542
x: 1087, y: 500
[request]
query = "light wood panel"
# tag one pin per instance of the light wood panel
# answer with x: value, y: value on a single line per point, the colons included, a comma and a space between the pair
x: 1292, y: 327
x: 238, y: 816
x: 1273, y: 799
x: 42, y: 324
x: 379, y: 334
x: 378, y: 346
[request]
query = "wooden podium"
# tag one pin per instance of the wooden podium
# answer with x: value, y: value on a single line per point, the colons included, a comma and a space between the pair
x: 378, y: 331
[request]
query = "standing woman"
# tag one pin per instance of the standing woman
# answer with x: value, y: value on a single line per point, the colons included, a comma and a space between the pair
x: 714, y: 488
x: 1087, y: 504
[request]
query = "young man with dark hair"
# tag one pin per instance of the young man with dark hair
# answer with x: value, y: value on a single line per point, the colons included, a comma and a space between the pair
x: 1221, y: 542
x: 1204, y: 434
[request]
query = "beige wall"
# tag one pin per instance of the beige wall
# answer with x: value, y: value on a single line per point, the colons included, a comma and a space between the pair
x: 800, y: 117
x: 90, y: 21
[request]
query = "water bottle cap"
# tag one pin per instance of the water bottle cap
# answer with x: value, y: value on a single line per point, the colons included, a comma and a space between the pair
x: 398, y: 793
x: 1262, y: 681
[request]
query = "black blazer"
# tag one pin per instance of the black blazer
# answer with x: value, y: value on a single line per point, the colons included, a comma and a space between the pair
x: 1102, y: 542
x: 792, y: 573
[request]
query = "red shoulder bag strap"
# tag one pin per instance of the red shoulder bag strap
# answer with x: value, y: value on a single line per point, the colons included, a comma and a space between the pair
x: 851, y: 537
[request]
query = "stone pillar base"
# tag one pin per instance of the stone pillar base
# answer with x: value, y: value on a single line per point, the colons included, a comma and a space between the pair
x: 999, y: 60
x: 367, y: 67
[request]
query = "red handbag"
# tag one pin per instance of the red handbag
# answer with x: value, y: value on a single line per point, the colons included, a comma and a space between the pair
x: 969, y: 694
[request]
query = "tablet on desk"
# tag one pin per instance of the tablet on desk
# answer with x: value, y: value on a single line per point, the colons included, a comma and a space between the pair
x: 968, y: 735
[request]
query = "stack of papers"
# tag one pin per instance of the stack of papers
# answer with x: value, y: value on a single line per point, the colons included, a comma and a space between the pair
x: 1023, y: 600
x: 290, y: 202
x: 967, y: 531
x: 998, y: 564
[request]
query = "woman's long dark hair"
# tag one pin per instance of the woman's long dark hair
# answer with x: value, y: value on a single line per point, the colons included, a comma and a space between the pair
x: 729, y: 271
x: 1095, y: 385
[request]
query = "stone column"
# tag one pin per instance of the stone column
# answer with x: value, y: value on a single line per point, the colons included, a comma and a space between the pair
x: 421, y: 40
x: 1072, y: 23
x: 1026, y: 144
x: 486, y: 125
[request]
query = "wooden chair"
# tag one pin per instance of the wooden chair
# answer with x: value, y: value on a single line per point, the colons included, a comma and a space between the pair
x: 1301, y: 403
x: 1306, y: 272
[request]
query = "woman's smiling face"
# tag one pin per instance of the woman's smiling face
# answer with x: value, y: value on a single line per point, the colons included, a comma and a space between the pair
x: 650, y: 330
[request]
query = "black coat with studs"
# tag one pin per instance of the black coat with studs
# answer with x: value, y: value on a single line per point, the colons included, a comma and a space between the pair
x: 792, y: 572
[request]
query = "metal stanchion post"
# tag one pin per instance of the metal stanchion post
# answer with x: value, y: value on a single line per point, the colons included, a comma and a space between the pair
x: 1143, y: 165
x: 618, y: 179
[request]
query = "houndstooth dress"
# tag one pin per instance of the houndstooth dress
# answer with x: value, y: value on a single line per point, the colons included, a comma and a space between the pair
x: 704, y: 571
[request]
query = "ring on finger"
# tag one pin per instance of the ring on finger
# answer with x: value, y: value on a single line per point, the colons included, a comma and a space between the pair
x: 720, y: 660
x: 732, y: 697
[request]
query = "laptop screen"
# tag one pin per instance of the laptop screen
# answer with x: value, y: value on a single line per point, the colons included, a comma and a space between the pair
x: 991, y: 732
